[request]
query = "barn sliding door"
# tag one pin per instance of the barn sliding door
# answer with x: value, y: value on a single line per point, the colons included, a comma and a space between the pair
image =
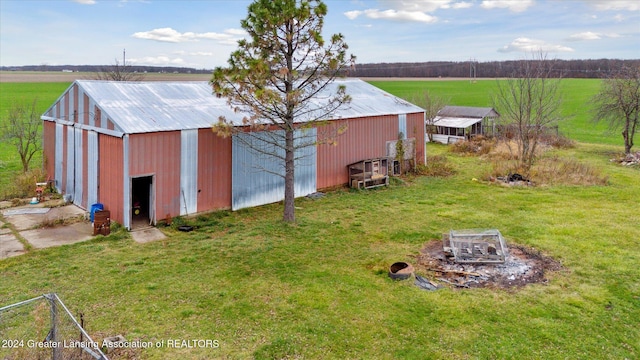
x: 257, y: 178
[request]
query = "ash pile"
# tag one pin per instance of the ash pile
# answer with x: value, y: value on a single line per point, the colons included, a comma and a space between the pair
x: 481, y: 258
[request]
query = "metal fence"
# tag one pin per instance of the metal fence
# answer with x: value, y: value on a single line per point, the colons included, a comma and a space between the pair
x: 43, y: 328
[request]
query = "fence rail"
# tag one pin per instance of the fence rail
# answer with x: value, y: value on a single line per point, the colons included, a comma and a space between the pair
x: 41, y: 328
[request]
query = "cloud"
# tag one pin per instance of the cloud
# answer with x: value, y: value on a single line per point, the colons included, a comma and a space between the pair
x: 390, y: 14
x: 588, y: 35
x: 532, y: 45
x: 424, y: 6
x: 408, y: 10
x: 400, y: 15
x: 512, y: 5
x: 228, y: 37
x: 85, y: 2
x: 606, y: 5
x: 461, y: 5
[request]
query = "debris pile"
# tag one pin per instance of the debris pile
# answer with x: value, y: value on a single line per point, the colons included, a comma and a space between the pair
x: 629, y: 159
x: 522, y: 266
x: 513, y: 180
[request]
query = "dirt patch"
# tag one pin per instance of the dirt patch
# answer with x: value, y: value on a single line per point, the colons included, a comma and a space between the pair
x: 522, y: 266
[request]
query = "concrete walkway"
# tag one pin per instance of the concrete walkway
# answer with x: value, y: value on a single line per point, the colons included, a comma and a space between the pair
x: 28, y: 223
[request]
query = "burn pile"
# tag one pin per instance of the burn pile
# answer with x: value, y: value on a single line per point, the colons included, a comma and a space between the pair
x: 468, y: 259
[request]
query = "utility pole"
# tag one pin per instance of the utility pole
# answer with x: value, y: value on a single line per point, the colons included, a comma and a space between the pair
x: 472, y: 70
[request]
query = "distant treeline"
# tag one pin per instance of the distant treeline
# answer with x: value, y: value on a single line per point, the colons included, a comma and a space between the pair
x: 493, y: 69
x: 101, y: 68
x: 598, y: 68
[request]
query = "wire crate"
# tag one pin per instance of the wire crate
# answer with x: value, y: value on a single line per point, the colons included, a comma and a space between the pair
x: 475, y: 246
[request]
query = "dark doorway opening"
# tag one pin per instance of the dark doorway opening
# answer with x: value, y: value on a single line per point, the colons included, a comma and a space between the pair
x: 141, y: 201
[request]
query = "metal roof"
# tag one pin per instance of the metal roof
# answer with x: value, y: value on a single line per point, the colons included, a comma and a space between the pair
x: 140, y: 107
x: 467, y: 112
x: 460, y: 123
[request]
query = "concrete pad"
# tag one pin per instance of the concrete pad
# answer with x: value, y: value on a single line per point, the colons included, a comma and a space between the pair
x: 146, y: 235
x: 62, y: 235
x: 10, y: 246
x: 5, y: 204
x: 24, y: 221
x: 3, y: 229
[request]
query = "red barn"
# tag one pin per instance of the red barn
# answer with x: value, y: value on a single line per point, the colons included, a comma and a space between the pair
x: 146, y: 151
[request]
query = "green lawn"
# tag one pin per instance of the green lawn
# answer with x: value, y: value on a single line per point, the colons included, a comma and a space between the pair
x: 319, y: 289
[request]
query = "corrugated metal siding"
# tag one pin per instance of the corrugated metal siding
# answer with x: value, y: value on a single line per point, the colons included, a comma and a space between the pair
x: 59, y: 156
x: 92, y: 157
x: 73, y: 104
x: 214, y: 171
x: 254, y: 176
x: 97, y: 116
x: 188, y: 171
x: 416, y: 129
x: 85, y: 175
x: 84, y: 110
x: 126, y: 181
x: 78, y: 173
x: 365, y: 138
x: 49, y: 148
x: 158, y: 154
x: 110, y: 168
x: 70, y: 149
x: 64, y: 108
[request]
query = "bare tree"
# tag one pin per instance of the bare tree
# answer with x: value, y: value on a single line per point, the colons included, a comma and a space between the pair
x: 23, y: 129
x: 281, y: 77
x: 119, y: 72
x: 529, y: 102
x: 619, y: 103
x: 431, y: 104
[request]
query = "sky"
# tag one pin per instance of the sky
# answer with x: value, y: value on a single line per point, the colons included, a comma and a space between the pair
x: 201, y: 34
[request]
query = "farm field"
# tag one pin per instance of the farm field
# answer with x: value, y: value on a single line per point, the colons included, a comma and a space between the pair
x: 319, y: 289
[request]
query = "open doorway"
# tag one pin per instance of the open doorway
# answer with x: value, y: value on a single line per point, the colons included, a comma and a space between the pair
x: 141, y: 202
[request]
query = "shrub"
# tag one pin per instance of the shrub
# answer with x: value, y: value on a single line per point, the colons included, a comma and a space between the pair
x: 478, y: 145
x: 24, y: 184
x: 437, y: 165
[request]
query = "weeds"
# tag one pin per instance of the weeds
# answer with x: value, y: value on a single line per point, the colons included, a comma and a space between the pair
x: 23, y: 185
x: 478, y: 145
x: 563, y: 171
x: 436, y: 166
x: 551, y: 171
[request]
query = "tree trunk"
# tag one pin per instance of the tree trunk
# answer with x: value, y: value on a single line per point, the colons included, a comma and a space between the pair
x: 289, y: 192
x: 625, y: 135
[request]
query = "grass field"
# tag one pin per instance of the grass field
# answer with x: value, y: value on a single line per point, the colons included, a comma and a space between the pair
x: 576, y: 95
x: 22, y: 93
x: 319, y: 289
